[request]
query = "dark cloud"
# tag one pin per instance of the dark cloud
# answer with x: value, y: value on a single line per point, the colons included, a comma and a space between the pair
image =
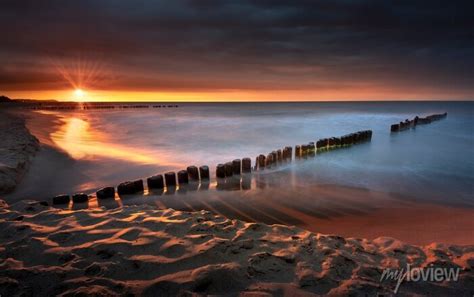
x: 255, y: 45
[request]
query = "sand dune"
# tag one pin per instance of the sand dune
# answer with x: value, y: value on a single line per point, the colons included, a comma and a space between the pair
x: 139, y: 250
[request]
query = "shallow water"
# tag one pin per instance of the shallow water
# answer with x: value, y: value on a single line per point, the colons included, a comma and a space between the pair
x: 106, y: 147
x: 406, y: 175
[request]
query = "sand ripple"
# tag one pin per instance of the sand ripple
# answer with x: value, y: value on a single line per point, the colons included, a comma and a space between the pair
x: 139, y: 250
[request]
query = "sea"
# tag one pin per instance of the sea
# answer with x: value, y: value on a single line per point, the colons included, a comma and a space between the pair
x: 84, y: 150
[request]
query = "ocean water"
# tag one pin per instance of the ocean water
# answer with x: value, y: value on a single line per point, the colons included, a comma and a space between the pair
x: 433, y: 163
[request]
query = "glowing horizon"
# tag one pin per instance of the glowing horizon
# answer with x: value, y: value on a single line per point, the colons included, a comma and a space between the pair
x: 228, y: 96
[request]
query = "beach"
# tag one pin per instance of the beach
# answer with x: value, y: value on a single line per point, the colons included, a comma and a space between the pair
x: 139, y: 250
x: 304, y: 228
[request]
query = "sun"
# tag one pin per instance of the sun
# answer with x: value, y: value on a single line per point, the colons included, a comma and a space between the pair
x: 79, y: 94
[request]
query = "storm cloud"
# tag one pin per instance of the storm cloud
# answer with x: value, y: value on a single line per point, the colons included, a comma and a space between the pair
x: 206, y: 45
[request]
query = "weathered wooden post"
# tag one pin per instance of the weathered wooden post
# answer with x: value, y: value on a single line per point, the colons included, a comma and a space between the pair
x: 304, y: 150
x: 289, y: 153
x: 246, y: 165
x: 236, y: 165
x: 204, y: 172
x: 155, y: 182
x: 261, y: 162
x: 343, y: 140
x: 349, y: 139
x: 274, y: 157
x: 220, y: 171
x: 319, y: 144
x: 138, y: 186
x: 269, y: 160
x: 356, y: 137
x: 170, y: 179
x: 183, y: 177
x: 279, y: 155
x: 130, y: 187
x: 104, y: 193
x: 326, y: 142
x: 297, y: 152
x: 228, y: 169
x: 80, y: 198
x: 285, y: 154
x: 193, y: 173
x: 61, y: 199
x: 311, y: 149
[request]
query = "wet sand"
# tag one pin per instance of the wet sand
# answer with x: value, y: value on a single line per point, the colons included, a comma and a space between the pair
x: 332, y: 209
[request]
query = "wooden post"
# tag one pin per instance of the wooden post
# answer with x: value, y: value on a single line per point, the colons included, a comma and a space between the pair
x: 246, y: 165
x: 61, y: 199
x: 236, y: 165
x: 204, y: 172
x: 193, y: 173
x: 170, y: 179
x: 228, y: 169
x: 220, y: 171
x: 331, y: 141
x: 285, y: 154
x: 279, y: 156
x: 274, y: 157
x: 80, y: 198
x: 290, y: 153
x: 261, y: 162
x: 297, y: 152
x: 130, y: 187
x: 104, y: 193
x: 183, y: 177
x: 304, y: 150
x: 155, y: 182
x: 311, y: 149
x: 269, y: 160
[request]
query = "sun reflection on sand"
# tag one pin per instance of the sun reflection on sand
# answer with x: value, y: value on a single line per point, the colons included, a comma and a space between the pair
x: 80, y: 141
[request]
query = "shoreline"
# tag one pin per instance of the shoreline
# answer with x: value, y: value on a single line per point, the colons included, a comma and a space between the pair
x: 143, y: 251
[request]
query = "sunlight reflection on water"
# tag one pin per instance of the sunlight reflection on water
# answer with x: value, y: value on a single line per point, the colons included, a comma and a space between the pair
x: 80, y: 141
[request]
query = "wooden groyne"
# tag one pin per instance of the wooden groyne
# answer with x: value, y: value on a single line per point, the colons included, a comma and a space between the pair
x: 407, y: 124
x: 64, y: 106
x: 233, y: 175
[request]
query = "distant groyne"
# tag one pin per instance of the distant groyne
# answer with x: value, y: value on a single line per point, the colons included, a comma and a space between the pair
x: 407, y: 124
x: 97, y: 106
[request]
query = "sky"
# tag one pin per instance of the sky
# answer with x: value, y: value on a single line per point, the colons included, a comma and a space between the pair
x: 206, y: 50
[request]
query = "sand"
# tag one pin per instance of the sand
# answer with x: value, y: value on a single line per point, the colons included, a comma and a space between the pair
x: 139, y: 250
x: 17, y: 148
